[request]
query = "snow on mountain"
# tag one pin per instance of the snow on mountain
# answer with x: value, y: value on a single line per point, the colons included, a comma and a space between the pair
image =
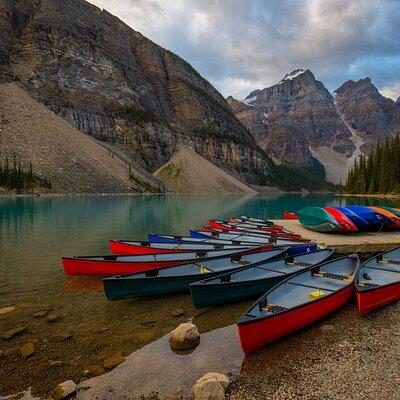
x: 292, y: 75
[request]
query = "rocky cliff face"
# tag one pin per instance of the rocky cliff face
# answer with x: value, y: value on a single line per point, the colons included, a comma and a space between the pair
x: 109, y: 81
x: 373, y: 116
x: 303, y: 103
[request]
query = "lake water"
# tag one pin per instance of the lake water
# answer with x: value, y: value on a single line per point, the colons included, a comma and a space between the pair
x: 36, y: 231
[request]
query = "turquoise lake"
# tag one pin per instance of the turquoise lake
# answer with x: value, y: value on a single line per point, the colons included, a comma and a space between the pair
x: 36, y: 231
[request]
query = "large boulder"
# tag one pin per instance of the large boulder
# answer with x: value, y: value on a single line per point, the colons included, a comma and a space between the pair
x: 185, y: 337
x: 211, y: 386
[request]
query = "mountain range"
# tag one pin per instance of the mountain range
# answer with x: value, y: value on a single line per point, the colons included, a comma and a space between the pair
x: 299, y: 121
x: 144, y: 103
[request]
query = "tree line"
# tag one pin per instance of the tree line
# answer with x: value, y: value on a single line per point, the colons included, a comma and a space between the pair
x: 13, y: 175
x: 378, y: 173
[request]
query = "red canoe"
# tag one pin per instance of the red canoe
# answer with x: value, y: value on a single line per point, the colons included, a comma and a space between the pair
x: 345, y: 223
x: 127, y: 264
x: 227, y: 226
x: 378, y: 281
x: 289, y: 215
x: 297, y: 302
x: 137, y: 247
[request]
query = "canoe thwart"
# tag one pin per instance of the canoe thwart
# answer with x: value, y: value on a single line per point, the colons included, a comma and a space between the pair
x: 330, y: 275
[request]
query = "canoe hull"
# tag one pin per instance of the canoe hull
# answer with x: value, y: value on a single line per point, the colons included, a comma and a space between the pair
x: 125, y: 248
x: 255, y: 335
x: 213, y: 295
x: 126, y: 288
x: 77, y: 267
x: 370, y: 300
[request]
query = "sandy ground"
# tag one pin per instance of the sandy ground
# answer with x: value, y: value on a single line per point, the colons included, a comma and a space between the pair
x: 74, y: 162
x: 188, y: 172
x: 343, y: 357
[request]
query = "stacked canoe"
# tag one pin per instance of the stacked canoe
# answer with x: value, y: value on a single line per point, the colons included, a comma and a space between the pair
x: 296, y: 282
x: 348, y: 219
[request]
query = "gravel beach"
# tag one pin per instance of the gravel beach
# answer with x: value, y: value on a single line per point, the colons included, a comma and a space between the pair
x: 343, y: 357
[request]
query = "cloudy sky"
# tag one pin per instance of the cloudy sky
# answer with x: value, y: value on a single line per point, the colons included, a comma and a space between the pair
x: 241, y: 45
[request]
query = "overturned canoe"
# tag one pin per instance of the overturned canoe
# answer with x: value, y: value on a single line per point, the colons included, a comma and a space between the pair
x: 178, y: 278
x: 297, y: 302
x: 374, y: 219
x: 395, y: 220
x: 346, y: 224
x: 359, y: 222
x: 251, y: 281
x: 144, y: 247
x: 319, y: 220
x: 289, y: 215
x: 392, y: 210
x: 378, y: 281
x: 125, y: 264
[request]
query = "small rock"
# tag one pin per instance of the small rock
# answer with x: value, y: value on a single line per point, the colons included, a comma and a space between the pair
x: 53, y: 317
x: 64, y: 390
x: 59, y: 337
x: 56, y: 363
x: 27, y: 350
x: 14, y: 332
x: 185, y: 337
x: 211, y: 386
x: 40, y: 314
x: 94, y: 370
x: 327, y: 328
x: 114, y: 361
x: 177, y: 312
x: 149, y: 322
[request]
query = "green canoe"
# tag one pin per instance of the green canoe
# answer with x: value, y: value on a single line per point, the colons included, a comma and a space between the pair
x: 317, y: 219
x: 252, y: 281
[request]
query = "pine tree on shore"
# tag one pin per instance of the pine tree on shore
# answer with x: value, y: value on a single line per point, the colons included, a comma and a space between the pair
x: 377, y: 173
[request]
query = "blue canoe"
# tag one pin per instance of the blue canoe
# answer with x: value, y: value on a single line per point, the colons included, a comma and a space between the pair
x: 359, y: 222
x: 374, y: 219
x: 241, y: 240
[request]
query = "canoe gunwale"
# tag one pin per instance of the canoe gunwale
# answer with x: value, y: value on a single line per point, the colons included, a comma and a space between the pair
x: 247, y: 319
x: 204, y: 281
x: 360, y: 289
x: 126, y: 276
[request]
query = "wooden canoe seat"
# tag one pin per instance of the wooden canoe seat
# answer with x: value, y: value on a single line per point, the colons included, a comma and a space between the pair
x: 272, y: 308
x: 386, y: 261
x: 269, y: 307
x: 298, y: 264
x: 329, y: 275
x: 368, y: 285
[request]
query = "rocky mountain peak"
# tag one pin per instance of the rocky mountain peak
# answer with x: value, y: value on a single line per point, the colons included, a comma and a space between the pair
x: 363, y: 89
x: 296, y: 73
x: 372, y: 115
x: 398, y: 101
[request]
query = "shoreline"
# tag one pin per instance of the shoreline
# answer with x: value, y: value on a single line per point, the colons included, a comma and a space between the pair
x: 377, y: 196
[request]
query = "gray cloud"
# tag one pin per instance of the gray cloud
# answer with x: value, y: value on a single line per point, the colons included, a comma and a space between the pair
x: 242, y: 45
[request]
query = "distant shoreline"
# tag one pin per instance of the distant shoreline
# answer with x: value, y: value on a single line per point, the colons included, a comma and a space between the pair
x: 378, y: 196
